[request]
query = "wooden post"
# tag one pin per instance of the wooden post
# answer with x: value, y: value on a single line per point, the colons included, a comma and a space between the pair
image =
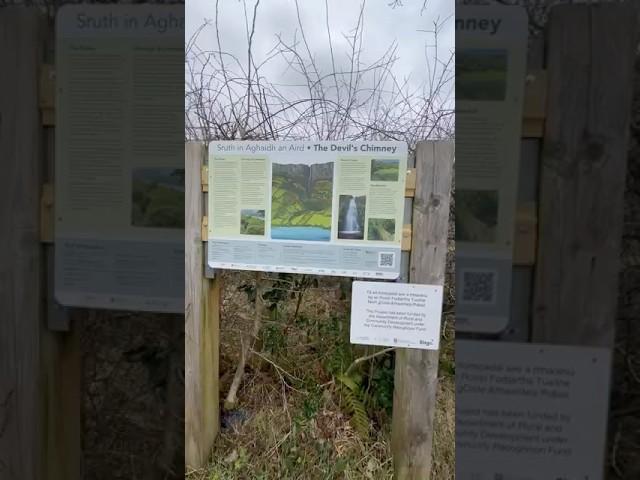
x: 202, y: 304
x: 39, y: 369
x: 416, y: 373
x: 591, y: 55
x: 20, y: 256
x: 62, y: 372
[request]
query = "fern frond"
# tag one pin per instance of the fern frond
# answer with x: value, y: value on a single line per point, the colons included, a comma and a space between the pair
x: 354, y: 399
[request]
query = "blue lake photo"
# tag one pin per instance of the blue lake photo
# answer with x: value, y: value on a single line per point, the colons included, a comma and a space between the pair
x: 315, y: 234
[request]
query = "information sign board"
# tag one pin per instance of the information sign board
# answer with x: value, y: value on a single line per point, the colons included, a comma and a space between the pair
x: 119, y: 160
x: 327, y: 208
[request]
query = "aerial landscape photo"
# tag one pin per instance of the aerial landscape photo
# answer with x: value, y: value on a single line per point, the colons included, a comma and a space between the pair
x: 252, y: 222
x: 157, y: 196
x: 481, y: 75
x: 301, y: 203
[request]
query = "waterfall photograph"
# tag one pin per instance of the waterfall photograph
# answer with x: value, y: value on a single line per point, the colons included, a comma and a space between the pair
x: 351, y: 217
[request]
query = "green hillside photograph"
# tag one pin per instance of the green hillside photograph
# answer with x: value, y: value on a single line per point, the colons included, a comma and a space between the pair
x: 301, y: 203
x: 385, y: 170
x: 476, y: 215
x: 382, y: 229
x: 157, y: 197
x: 481, y: 75
x: 252, y: 222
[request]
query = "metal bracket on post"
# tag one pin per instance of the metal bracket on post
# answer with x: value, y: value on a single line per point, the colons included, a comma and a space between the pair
x: 204, y: 181
x: 409, y: 193
x: 58, y: 318
x: 208, y: 271
x: 47, y: 95
x: 204, y: 178
x: 204, y: 233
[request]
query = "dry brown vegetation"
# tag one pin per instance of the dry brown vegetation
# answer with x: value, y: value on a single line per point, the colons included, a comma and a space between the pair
x: 624, y: 428
x: 132, y: 394
x: 293, y: 420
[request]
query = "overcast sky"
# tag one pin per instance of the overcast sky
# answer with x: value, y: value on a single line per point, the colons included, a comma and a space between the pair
x: 382, y: 25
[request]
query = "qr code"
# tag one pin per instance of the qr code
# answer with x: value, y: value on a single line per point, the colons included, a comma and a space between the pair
x: 386, y: 259
x: 479, y: 286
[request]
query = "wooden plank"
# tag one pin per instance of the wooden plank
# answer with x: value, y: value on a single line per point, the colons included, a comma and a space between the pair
x: 416, y: 371
x: 410, y: 185
x: 535, y: 104
x: 204, y: 229
x: 20, y: 255
x: 202, y: 301
x: 591, y: 48
x: 62, y: 376
x: 39, y: 383
x: 535, y: 96
x: 204, y: 178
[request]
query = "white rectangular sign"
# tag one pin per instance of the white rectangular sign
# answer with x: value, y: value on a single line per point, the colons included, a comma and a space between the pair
x: 396, y: 314
x: 530, y: 411
x: 327, y: 208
